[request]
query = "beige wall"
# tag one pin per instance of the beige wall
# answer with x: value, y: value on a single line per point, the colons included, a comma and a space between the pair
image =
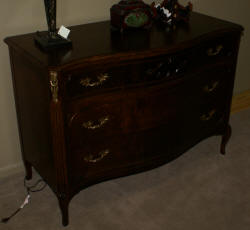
x: 17, y: 17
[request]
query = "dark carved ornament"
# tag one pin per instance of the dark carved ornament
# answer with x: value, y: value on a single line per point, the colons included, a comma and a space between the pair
x: 130, y: 14
x: 170, y: 12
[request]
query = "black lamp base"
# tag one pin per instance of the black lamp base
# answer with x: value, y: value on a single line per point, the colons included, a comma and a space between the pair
x: 47, y: 43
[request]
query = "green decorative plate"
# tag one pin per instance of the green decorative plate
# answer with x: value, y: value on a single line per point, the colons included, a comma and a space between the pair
x: 136, y: 19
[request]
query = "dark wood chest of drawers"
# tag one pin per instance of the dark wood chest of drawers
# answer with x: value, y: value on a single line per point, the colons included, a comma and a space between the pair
x: 116, y: 104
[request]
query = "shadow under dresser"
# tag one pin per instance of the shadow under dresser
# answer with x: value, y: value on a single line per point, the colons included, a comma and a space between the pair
x: 114, y: 105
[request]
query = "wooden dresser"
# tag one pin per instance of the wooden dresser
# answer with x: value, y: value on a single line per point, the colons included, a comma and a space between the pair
x: 115, y: 105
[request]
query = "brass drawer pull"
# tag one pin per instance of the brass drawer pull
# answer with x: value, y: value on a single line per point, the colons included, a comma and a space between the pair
x: 92, y: 125
x: 208, y: 116
x: 86, y: 82
x: 93, y: 159
x: 212, y: 52
x: 211, y: 88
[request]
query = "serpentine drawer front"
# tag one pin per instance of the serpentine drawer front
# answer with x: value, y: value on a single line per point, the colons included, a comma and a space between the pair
x: 121, y: 104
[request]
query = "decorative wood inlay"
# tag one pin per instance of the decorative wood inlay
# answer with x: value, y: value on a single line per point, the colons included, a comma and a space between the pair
x: 58, y: 138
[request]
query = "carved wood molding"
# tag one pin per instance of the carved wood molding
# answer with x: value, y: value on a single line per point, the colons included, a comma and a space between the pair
x: 54, y: 85
x: 58, y: 136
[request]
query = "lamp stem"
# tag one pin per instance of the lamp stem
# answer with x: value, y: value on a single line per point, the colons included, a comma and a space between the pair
x: 51, y: 40
x: 50, y: 8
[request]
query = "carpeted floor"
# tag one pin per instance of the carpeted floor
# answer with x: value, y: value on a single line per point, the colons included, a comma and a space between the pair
x: 201, y: 190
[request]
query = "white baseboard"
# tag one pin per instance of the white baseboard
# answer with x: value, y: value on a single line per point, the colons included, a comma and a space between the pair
x: 11, y: 169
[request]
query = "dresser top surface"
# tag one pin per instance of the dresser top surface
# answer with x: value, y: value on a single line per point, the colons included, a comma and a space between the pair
x: 96, y: 41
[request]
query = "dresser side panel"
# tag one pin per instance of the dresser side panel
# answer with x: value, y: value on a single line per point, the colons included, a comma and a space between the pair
x: 32, y: 105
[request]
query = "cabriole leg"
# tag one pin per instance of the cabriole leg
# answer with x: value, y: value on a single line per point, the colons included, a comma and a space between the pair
x: 225, y: 139
x: 28, y: 170
x: 64, y: 206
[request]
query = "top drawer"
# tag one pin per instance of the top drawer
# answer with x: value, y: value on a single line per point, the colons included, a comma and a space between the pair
x: 221, y: 49
x: 110, y: 76
x: 96, y: 79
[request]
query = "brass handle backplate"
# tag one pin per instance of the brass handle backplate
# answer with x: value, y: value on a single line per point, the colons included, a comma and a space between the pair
x: 95, y: 158
x: 211, y: 88
x: 99, y: 123
x: 86, y: 82
x: 54, y: 85
x: 212, y: 52
x: 208, y: 116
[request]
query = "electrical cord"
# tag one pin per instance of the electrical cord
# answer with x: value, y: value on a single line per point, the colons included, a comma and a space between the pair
x: 29, y: 189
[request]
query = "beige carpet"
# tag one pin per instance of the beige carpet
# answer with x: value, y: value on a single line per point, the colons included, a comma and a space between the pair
x: 201, y: 190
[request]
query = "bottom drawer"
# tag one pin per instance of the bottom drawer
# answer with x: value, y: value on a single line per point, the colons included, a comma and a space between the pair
x: 123, y: 154
x: 110, y: 155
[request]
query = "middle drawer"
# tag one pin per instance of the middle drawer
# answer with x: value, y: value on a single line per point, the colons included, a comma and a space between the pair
x: 124, y: 112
